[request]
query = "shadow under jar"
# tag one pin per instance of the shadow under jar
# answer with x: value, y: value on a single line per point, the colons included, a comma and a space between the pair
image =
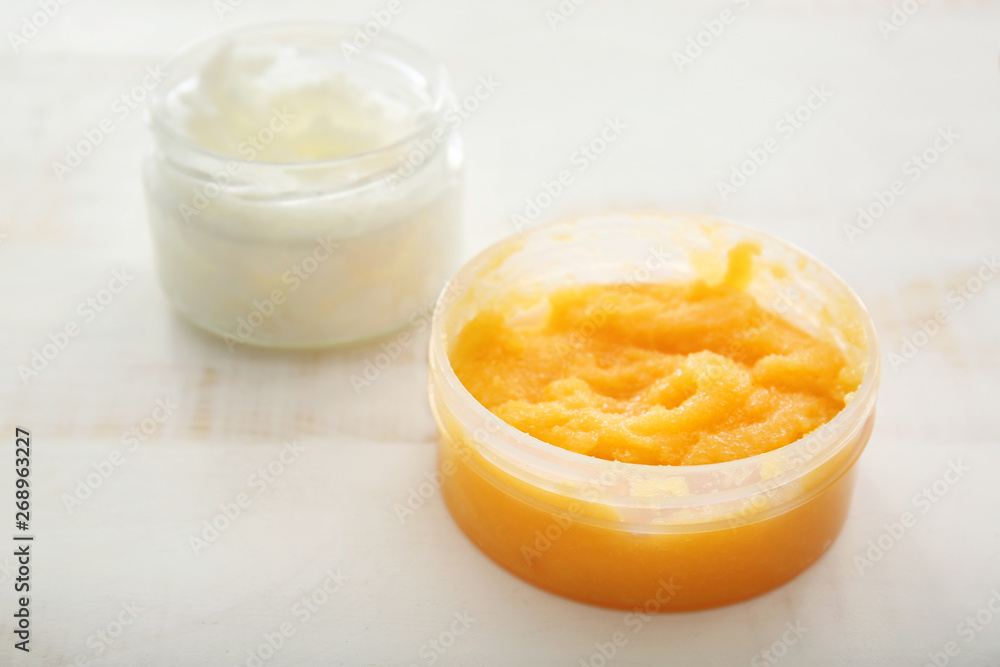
x: 301, y: 194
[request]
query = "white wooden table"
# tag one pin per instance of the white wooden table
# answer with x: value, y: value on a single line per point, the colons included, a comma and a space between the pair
x: 317, y: 553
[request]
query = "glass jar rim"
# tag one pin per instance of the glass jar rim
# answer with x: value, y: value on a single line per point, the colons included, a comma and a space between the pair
x: 195, y: 54
x: 561, y: 464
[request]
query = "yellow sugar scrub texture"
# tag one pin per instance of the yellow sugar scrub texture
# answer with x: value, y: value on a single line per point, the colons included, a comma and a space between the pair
x: 676, y: 373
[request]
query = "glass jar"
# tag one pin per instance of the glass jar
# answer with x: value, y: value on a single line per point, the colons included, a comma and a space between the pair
x: 303, y: 191
x: 626, y: 535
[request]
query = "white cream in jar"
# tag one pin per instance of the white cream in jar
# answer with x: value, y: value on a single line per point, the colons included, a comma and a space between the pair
x: 280, y: 208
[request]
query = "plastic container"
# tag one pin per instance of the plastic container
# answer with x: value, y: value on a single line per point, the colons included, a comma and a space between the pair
x: 303, y: 191
x: 636, y: 536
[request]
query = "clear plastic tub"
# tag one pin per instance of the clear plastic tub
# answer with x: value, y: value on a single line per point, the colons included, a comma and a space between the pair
x: 656, y: 537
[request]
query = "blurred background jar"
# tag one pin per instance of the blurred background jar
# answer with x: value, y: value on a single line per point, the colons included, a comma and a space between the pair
x: 303, y: 192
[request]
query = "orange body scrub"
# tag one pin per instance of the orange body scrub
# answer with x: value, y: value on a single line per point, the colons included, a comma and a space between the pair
x: 671, y: 438
x: 660, y: 374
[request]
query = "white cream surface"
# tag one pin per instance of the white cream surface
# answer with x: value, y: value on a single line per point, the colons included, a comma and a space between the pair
x: 287, y: 105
